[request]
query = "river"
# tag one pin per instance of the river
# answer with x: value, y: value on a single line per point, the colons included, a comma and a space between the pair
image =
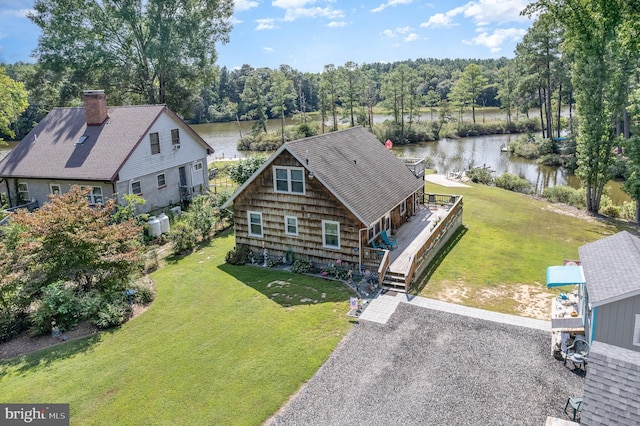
x: 448, y: 155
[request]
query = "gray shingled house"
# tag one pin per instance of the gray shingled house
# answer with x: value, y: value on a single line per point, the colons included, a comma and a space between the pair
x: 611, y: 269
x: 327, y: 198
x: 145, y: 150
x: 611, y: 308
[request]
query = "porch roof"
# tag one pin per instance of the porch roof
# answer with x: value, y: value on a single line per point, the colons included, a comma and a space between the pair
x: 558, y: 276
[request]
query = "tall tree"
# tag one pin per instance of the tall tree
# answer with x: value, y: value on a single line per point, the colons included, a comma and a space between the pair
x: 468, y: 87
x: 330, y: 85
x: 600, y: 77
x: 350, y: 76
x: 254, y: 98
x: 157, y: 50
x: 280, y: 93
x: 14, y: 102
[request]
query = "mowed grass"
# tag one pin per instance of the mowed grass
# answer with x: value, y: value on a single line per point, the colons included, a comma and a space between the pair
x: 220, y: 345
x: 509, y: 238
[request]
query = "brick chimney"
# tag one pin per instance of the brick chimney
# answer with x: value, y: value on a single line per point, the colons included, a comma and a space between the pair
x: 95, y: 107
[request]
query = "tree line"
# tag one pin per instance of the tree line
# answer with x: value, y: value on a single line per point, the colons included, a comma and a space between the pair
x: 577, y: 53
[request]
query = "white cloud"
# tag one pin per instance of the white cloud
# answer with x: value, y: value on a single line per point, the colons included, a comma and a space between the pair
x: 336, y: 24
x: 501, y: 11
x: 403, y: 30
x: 495, y: 40
x: 411, y: 37
x: 291, y: 4
x: 390, y: 3
x: 266, y: 24
x: 388, y: 33
x: 242, y: 5
x: 313, y: 12
x: 267, y: 50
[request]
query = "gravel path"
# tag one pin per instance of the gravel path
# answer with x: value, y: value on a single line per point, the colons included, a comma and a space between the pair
x: 427, y: 367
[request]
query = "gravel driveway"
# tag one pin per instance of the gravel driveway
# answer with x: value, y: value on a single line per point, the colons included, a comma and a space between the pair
x: 426, y: 367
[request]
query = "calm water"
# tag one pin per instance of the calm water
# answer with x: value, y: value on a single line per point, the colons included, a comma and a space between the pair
x: 448, y: 155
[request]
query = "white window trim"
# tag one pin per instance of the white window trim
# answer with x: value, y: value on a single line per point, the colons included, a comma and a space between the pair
x: 165, y: 180
x: 197, y: 166
x: 251, y: 234
x: 92, y: 195
x: 25, y: 191
x: 288, y: 169
x: 52, y: 185
x: 636, y: 331
x: 131, y: 187
x: 286, y: 225
x: 151, y: 144
x: 403, y: 207
x: 324, y: 239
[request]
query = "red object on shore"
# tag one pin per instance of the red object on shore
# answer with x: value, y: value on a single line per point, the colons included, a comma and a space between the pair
x: 388, y: 144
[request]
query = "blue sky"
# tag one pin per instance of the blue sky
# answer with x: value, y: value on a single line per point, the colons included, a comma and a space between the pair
x: 308, y: 34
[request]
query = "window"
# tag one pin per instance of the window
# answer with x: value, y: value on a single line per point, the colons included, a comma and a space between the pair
x: 291, y: 225
x: 175, y: 138
x: 255, y: 224
x: 23, y: 192
x: 162, y: 182
x: 155, y: 143
x: 330, y: 234
x: 136, y: 187
x: 636, y: 331
x: 55, y: 189
x: 95, y: 196
x: 403, y: 208
x: 289, y: 179
x: 197, y: 166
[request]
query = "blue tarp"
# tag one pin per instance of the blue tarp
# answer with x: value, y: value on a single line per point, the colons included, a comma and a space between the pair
x: 558, y: 276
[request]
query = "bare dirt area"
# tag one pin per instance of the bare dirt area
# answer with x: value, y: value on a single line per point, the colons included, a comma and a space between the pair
x: 567, y: 210
x: 530, y: 300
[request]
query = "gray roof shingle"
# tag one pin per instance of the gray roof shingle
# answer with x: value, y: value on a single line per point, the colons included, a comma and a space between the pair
x: 365, y: 176
x: 50, y: 151
x: 611, y: 268
x: 612, y: 386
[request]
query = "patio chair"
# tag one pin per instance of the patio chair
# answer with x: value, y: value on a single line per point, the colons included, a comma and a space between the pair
x: 576, y: 406
x: 577, y: 353
x: 378, y: 248
x: 389, y: 241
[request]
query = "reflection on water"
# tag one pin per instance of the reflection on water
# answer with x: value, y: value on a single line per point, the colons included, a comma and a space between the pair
x: 448, y: 155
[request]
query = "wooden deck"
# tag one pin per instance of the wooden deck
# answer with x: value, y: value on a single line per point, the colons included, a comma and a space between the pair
x: 411, y: 236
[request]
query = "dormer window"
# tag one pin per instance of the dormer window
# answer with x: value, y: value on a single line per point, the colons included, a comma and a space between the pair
x: 288, y: 179
x: 81, y: 139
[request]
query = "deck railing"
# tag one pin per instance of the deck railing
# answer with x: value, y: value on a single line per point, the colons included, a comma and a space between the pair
x: 384, y: 265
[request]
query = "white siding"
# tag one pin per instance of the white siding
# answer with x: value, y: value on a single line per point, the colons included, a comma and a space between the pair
x: 144, y: 167
x: 141, y: 162
x: 39, y: 189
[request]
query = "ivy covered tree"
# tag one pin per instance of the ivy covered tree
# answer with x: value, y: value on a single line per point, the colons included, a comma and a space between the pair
x: 68, y: 262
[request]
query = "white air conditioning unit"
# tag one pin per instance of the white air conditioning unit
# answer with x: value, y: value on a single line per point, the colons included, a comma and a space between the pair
x: 176, y: 146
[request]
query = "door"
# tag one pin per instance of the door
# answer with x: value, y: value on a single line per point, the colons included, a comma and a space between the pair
x: 183, y: 176
x: 185, y: 191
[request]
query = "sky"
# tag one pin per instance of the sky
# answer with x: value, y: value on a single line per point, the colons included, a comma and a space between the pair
x: 309, y: 34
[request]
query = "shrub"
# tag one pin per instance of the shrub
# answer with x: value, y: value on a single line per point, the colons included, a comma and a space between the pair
x: 514, y: 183
x: 300, y: 266
x: 607, y: 207
x: 480, y: 175
x: 201, y: 215
x: 182, y: 236
x: 628, y: 211
x: 12, y: 323
x: 58, y: 303
x: 565, y: 194
x: 238, y: 256
x: 111, y: 314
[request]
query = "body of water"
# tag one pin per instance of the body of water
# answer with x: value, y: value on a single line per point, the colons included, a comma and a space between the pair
x: 448, y: 155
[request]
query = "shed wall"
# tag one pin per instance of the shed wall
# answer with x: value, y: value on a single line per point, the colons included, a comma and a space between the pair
x: 615, y: 323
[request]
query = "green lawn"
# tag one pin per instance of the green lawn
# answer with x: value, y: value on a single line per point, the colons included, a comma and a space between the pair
x: 220, y: 345
x: 509, y: 239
